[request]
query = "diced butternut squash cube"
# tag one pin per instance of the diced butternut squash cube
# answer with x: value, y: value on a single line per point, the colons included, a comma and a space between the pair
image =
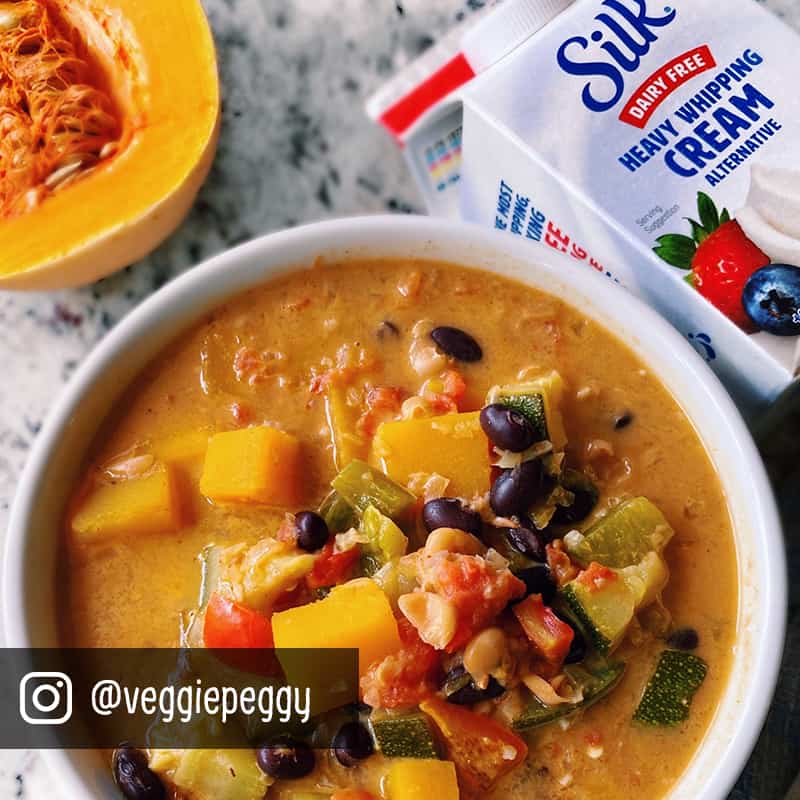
x: 421, y: 779
x: 348, y: 445
x: 252, y: 465
x: 185, y: 449
x: 452, y: 445
x: 135, y: 507
x: 355, y: 615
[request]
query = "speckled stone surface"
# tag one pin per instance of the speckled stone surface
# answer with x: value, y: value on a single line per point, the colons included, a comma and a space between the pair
x: 295, y: 147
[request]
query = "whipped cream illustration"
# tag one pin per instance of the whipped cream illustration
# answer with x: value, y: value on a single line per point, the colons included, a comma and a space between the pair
x: 771, y: 214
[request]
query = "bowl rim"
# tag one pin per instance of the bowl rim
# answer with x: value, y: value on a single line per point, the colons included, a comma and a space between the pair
x: 233, y: 271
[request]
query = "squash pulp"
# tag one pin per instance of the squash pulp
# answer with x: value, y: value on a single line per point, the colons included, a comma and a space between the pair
x: 109, y: 119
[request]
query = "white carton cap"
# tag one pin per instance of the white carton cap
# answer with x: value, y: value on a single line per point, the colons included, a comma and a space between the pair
x: 506, y: 28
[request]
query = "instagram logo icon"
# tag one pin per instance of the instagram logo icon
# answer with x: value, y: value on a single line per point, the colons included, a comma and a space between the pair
x: 45, y: 698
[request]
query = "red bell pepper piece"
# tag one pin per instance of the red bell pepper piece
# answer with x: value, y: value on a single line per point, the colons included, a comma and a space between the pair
x: 230, y: 625
x: 482, y: 749
x: 332, y: 568
x: 551, y: 636
x: 240, y: 635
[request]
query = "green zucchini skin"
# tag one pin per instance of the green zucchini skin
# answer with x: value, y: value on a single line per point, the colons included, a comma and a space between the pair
x: 597, y: 683
x: 624, y: 536
x: 361, y: 486
x: 668, y: 695
x: 599, y: 642
x: 531, y: 406
x: 407, y: 736
x: 338, y: 514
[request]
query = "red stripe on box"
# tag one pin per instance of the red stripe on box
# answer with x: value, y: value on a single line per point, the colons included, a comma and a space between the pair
x: 403, y: 114
x: 661, y: 84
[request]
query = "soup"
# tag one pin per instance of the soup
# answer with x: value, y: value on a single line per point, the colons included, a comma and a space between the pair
x: 535, y: 541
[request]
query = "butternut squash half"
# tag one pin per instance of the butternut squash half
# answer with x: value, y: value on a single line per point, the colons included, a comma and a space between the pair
x: 109, y: 119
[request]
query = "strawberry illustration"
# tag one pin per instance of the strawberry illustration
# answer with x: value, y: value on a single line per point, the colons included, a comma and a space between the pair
x: 720, y: 256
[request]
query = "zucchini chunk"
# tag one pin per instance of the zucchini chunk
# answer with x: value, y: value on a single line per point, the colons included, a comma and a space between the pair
x: 603, y: 604
x: 338, y: 514
x: 595, y: 681
x: 623, y: 537
x: 220, y: 775
x: 669, y: 691
x: 361, y: 486
x: 539, y: 401
x: 386, y: 540
x: 647, y: 579
x: 406, y: 736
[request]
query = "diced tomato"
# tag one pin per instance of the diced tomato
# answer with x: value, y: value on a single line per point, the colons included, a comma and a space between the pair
x: 406, y: 677
x: 383, y: 403
x: 560, y: 564
x: 230, y: 625
x: 351, y: 360
x: 332, y: 568
x: 478, y: 591
x: 444, y: 394
x: 441, y: 403
x: 595, y: 576
x: 384, y: 397
x: 454, y: 384
x: 287, y: 530
x: 550, y: 636
x: 482, y: 749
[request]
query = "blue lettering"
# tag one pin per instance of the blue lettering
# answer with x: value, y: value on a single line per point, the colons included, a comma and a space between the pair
x: 619, y: 40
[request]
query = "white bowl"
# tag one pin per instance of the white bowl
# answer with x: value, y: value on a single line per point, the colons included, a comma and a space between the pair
x: 29, y: 586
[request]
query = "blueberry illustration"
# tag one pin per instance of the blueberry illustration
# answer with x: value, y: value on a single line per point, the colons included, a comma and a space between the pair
x: 771, y: 299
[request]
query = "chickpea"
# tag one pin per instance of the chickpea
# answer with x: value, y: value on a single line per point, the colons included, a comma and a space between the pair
x: 485, y: 653
x: 454, y: 541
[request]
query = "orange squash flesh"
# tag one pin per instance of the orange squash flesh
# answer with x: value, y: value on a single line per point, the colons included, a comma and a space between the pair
x: 157, y: 62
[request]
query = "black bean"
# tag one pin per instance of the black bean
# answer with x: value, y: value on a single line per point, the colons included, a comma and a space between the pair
x: 516, y: 490
x: 621, y: 421
x: 578, y: 649
x: 447, y: 512
x: 538, y: 580
x: 581, y: 507
x: 528, y: 541
x: 586, y: 496
x: 457, y: 343
x: 387, y: 329
x: 312, y: 531
x: 286, y: 759
x: 134, y: 777
x: 352, y: 743
x: 684, y: 639
x: 470, y: 694
x: 506, y: 428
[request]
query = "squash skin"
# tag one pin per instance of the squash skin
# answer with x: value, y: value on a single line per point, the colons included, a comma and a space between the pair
x: 135, y: 200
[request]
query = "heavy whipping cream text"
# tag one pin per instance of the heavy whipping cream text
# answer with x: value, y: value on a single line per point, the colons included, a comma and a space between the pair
x: 728, y: 121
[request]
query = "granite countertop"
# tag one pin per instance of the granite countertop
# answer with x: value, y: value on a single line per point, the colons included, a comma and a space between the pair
x: 295, y: 147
